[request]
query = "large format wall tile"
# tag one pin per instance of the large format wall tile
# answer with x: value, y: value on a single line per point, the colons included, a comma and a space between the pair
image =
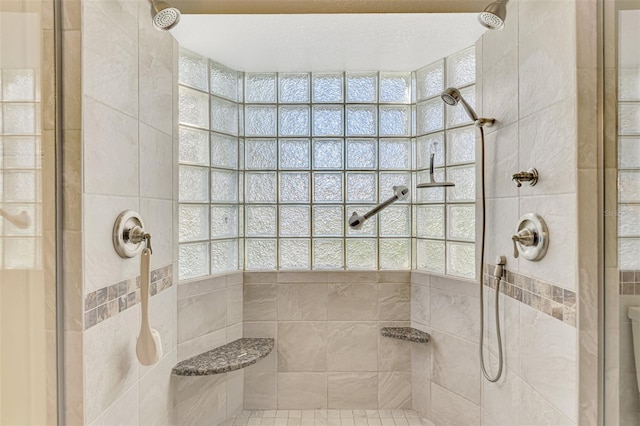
x: 353, y: 390
x: 260, y: 302
x: 201, y: 315
x: 260, y: 391
x: 156, y: 157
x: 302, y: 391
x: 302, y: 346
x: 352, y: 346
x: 200, y: 400
x: 394, y: 301
x: 302, y: 302
x: 394, y: 390
x: 456, y: 366
x: 156, y: 403
x: 449, y: 409
x: 456, y: 314
x: 351, y: 301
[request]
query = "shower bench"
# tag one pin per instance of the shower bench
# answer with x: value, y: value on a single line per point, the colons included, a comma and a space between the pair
x: 233, y: 356
x: 406, y: 333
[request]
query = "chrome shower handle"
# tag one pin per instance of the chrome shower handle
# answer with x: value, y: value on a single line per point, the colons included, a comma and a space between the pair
x: 526, y: 237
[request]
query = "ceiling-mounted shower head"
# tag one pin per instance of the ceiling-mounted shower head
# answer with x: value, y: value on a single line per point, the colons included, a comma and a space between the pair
x: 164, y: 15
x: 452, y: 96
x: 494, y: 15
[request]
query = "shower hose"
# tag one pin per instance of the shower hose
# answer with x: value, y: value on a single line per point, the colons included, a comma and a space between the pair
x: 498, y: 280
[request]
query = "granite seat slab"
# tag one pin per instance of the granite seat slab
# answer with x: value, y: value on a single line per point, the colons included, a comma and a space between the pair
x: 233, y: 356
x: 405, y: 333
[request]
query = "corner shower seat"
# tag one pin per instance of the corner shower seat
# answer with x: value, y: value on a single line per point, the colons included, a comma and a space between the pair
x: 233, y: 356
x: 406, y: 333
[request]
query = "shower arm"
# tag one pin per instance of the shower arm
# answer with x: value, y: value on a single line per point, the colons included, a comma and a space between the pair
x: 400, y: 193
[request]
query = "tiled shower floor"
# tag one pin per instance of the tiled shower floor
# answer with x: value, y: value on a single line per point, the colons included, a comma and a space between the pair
x: 328, y: 418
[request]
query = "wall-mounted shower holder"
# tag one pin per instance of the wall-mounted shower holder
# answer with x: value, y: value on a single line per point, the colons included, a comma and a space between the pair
x: 531, y: 239
x: 129, y: 235
x: 530, y: 176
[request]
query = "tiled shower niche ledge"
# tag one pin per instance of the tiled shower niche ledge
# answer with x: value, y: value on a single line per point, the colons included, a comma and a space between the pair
x: 405, y: 333
x: 233, y: 356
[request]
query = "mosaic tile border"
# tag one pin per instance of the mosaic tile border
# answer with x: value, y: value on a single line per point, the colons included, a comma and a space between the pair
x: 109, y: 301
x: 629, y: 282
x: 555, y: 301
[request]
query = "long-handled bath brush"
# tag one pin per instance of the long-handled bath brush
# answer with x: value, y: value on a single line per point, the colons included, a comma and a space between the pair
x: 148, y: 347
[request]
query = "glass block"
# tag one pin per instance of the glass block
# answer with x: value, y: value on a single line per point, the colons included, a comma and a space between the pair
x: 21, y: 185
x: 368, y: 229
x: 224, y: 116
x: 328, y: 87
x: 629, y: 186
x: 224, y: 256
x: 362, y: 87
x: 395, y: 221
x: 260, y: 88
x: 362, y: 120
x: 430, y: 221
x: 224, y: 221
x: 395, y: 87
x: 194, y: 184
x: 465, y: 180
x: 22, y: 253
x: 261, y: 255
x: 327, y: 254
x: 430, y: 256
x: 193, y: 260
x: 294, y: 121
x: 395, y: 154
x: 241, y: 256
x: 261, y: 221
x: 461, y: 223
x: 261, y: 154
x: 294, y: 88
x: 193, y: 146
x: 362, y: 254
x: 294, y: 153
x: 295, y: 254
x: 629, y: 153
x: 224, y: 186
x: 328, y: 120
x: 19, y: 119
x: 430, y: 195
x: 20, y: 152
x: 461, y: 145
x: 427, y: 145
x: 327, y: 154
x: 629, y: 85
x: 34, y: 227
x: 294, y: 221
x: 260, y: 120
x: 241, y: 221
x: 628, y: 220
x: 193, y: 108
x: 241, y: 192
x: 430, y: 116
x: 395, y: 254
x: 457, y: 116
x: 193, y: 222
x: 395, y: 120
x: 328, y: 221
x: 361, y: 187
x: 461, y: 68
x: 18, y: 85
x: 240, y: 85
x: 224, y: 81
x: 260, y: 187
x: 192, y: 70
x: 389, y: 180
x: 224, y: 151
x: 327, y: 187
x: 628, y: 249
x: 628, y: 118
x: 430, y: 80
x: 294, y: 187
x: 461, y: 259
x: 361, y: 154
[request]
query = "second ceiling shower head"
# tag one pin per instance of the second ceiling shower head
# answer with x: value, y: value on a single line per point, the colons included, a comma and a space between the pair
x: 494, y: 15
x: 163, y: 15
x: 452, y: 96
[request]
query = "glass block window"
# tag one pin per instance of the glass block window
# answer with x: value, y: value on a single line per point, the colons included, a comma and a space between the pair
x: 20, y: 169
x: 445, y: 218
x: 317, y: 147
x: 209, y: 210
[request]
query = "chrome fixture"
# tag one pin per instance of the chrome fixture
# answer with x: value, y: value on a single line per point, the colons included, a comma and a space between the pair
x: 432, y: 182
x: 451, y: 96
x: 531, y: 239
x: 399, y: 193
x: 21, y: 220
x: 129, y: 235
x: 164, y: 15
x: 530, y: 176
x: 494, y: 15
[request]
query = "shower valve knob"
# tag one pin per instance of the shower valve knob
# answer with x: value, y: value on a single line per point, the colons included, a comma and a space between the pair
x: 525, y: 237
x: 530, y: 176
x: 531, y: 238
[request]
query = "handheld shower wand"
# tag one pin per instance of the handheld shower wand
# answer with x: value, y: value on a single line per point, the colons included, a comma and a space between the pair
x: 452, y: 96
x: 399, y: 193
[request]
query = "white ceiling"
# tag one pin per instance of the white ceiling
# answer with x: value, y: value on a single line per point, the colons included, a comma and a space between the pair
x: 336, y: 42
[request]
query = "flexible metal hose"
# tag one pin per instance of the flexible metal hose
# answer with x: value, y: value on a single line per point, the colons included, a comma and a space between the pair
x: 498, y: 279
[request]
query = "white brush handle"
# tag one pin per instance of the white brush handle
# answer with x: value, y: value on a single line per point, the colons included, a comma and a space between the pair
x: 148, y: 347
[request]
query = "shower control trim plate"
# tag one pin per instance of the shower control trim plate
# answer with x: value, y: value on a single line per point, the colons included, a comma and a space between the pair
x: 531, y: 239
x: 129, y: 236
